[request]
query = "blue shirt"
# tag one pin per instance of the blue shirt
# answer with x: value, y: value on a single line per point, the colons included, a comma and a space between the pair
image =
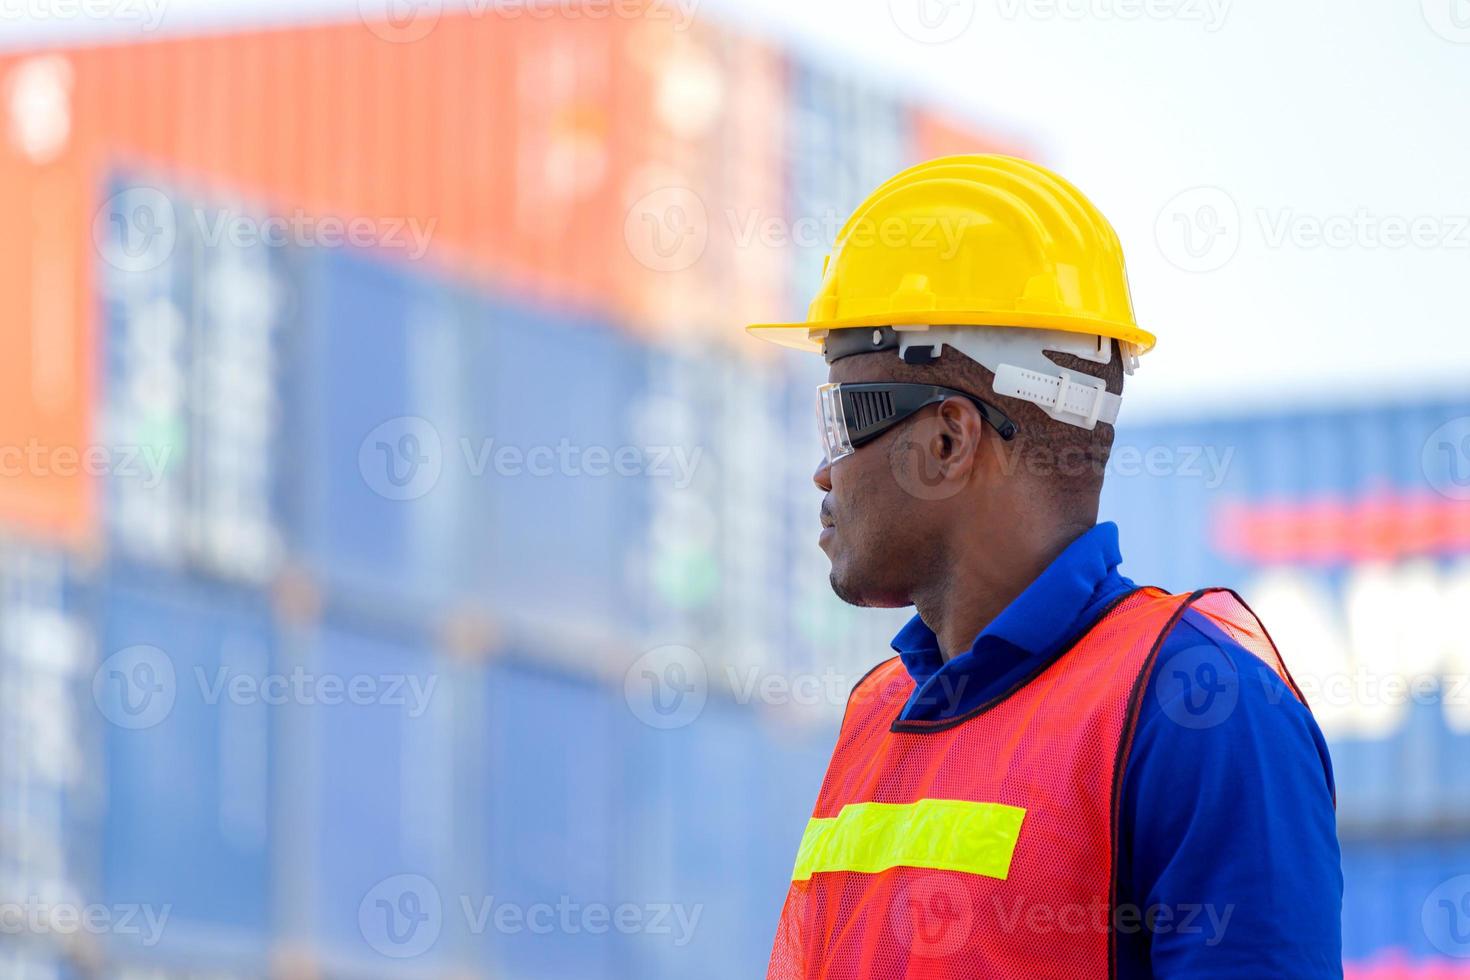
x: 1227, y: 832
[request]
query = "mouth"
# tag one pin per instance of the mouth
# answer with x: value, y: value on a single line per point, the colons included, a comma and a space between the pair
x: 826, y: 519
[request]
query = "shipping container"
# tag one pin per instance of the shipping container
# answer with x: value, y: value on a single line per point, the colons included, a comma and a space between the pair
x: 554, y: 477
x: 47, y: 330
x: 366, y: 838
x: 48, y: 771
x: 195, y: 306
x: 186, y: 686
x: 723, y: 791
x: 375, y: 464
x: 846, y: 136
x: 555, y: 751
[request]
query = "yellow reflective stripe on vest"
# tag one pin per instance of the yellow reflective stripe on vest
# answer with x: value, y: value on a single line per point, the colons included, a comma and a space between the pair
x: 946, y: 835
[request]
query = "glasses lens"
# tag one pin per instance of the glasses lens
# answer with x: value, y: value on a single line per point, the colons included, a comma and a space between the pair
x: 831, y: 423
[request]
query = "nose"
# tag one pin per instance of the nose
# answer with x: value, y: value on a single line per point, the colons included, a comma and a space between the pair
x: 823, y: 476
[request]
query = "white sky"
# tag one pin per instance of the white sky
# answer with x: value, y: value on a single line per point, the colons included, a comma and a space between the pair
x: 1302, y: 115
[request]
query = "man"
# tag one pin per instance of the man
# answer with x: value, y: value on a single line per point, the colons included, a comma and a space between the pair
x: 1061, y: 774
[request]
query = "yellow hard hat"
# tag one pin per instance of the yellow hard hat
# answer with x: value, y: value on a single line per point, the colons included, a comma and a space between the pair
x: 982, y: 240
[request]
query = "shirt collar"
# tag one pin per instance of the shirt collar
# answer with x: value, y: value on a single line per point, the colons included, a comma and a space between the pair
x: 1043, y: 617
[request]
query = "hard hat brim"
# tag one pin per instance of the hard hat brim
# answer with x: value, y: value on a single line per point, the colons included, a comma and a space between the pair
x: 797, y: 336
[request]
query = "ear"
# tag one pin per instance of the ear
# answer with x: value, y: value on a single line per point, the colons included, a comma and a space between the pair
x: 937, y: 454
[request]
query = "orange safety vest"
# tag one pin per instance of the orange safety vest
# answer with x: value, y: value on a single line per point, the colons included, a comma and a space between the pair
x: 985, y: 845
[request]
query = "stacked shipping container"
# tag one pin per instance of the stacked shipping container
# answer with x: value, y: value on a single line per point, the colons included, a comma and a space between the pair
x: 470, y: 467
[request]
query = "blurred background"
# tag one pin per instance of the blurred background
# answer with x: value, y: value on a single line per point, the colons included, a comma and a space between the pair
x: 409, y: 566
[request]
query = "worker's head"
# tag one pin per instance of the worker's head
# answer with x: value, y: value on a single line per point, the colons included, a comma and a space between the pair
x: 944, y: 485
x: 1000, y: 283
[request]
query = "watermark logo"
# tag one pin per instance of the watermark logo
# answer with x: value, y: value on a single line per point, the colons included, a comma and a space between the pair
x: 402, y: 458
x: 136, y: 687
x: 667, y: 687
x: 570, y: 918
x: 136, y: 229
x: 932, y: 915
x: 1210, y: 13
x: 37, y: 917
x: 1198, y: 230
x: 932, y: 21
x: 1196, y: 687
x: 1445, y: 459
x: 149, y: 13
x: 400, y: 21
x: 667, y: 230
x: 1445, y: 917
x: 401, y: 916
x: 1450, y: 19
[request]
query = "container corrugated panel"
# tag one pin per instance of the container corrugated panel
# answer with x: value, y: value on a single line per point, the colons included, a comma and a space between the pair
x: 375, y: 462
x: 1407, y: 909
x: 23, y: 962
x: 559, y: 773
x: 710, y: 563
x: 514, y: 179
x: 936, y: 134
x: 47, y: 331
x: 184, y: 687
x: 48, y: 771
x: 554, y: 476
x: 190, y: 406
x: 725, y: 791
x: 845, y: 137
x: 367, y: 838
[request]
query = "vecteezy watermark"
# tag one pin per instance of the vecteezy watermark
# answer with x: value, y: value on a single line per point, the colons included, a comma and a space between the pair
x: 1445, y: 916
x: 669, y: 230
x: 667, y: 687
x: 1198, y: 229
x: 568, y: 917
x: 148, y: 13
x: 1201, y: 229
x: 932, y: 21
x: 403, y: 916
x: 1363, y: 686
x: 407, y: 21
x: 407, y: 233
x: 1447, y: 18
x: 37, y: 917
x: 138, y: 686
x: 933, y: 915
x: 403, y: 459
x: 1210, y: 13
x: 1197, y: 687
x: 566, y: 458
x: 412, y: 692
x: 1445, y: 459
x: 145, y: 464
x: 1099, y: 916
x: 137, y: 229
x: 135, y: 687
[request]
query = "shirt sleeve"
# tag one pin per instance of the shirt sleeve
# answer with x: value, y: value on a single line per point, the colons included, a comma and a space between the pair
x: 1228, y: 853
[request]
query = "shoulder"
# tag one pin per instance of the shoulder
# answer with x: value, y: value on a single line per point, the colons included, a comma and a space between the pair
x: 1214, y: 715
x: 885, y: 683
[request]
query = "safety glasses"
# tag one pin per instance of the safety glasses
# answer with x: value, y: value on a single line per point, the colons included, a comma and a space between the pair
x: 849, y: 415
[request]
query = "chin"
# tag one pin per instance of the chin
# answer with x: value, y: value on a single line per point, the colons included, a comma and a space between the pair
x: 858, y: 591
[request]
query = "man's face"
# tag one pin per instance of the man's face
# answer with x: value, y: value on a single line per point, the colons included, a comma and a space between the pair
x: 878, y: 534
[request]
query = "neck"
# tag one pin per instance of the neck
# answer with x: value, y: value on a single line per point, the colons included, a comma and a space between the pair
x: 978, y: 582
